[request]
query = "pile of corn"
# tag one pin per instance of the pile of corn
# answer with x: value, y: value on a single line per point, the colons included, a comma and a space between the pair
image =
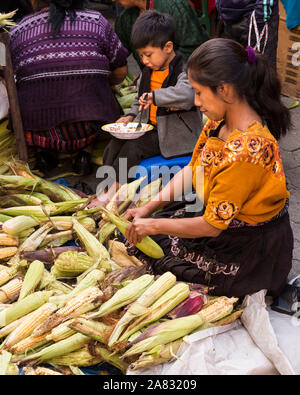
x: 126, y: 92
x: 75, y: 306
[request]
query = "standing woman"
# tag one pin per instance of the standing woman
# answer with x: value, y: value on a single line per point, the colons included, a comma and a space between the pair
x: 66, y: 58
x: 189, y: 32
x: 242, y: 242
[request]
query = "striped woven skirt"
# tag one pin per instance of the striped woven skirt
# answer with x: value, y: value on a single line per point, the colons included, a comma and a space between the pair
x: 66, y: 137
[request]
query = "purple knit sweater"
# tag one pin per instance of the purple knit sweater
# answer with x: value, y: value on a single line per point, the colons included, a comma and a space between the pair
x: 65, y: 77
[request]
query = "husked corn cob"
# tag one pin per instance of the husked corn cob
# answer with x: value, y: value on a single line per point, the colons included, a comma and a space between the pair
x: 125, y: 296
x: 7, y: 252
x: 119, y: 254
x: 10, y: 291
x: 27, y: 326
x: 140, y: 306
x: 12, y: 326
x: 85, y: 301
x: 160, y: 354
x: 71, y: 263
x: 7, y: 274
x: 164, y: 333
x: 96, y: 330
x: 164, y: 304
x: 63, y: 347
x: 32, y: 278
x: 61, y: 332
x: 23, y: 307
x: 8, y: 240
x: 81, y: 357
x: 221, y: 307
x: 29, y: 343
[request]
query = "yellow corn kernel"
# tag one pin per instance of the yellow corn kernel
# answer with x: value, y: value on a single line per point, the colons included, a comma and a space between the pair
x: 8, y: 240
x: 61, y: 332
x: 29, y: 343
x: 7, y: 252
x: 221, y: 307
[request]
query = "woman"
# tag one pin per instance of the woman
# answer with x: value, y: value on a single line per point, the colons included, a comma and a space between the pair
x: 189, y: 32
x: 66, y: 58
x: 242, y: 242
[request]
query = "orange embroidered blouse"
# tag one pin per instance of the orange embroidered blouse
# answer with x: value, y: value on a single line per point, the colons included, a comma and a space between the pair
x: 243, y: 177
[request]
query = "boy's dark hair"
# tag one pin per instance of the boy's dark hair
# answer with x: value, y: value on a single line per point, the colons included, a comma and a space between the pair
x: 152, y: 28
x: 222, y: 60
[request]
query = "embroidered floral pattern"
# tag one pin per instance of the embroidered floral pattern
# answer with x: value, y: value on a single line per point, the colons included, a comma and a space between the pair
x: 225, y: 210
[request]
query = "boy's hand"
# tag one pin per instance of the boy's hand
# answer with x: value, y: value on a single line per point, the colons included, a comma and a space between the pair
x: 145, y: 103
x: 125, y: 120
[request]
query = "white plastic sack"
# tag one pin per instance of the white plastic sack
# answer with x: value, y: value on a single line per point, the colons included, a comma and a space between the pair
x: 240, y: 350
x: 4, y: 103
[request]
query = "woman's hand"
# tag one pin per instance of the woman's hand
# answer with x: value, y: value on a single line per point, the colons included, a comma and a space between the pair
x: 135, y: 213
x: 145, y: 102
x: 140, y: 228
x: 125, y: 120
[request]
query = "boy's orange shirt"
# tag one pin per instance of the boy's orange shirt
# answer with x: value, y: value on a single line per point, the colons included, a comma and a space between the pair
x: 157, y: 79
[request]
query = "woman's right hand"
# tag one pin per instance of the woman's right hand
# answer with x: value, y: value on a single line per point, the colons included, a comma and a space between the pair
x: 139, y: 212
x: 125, y: 120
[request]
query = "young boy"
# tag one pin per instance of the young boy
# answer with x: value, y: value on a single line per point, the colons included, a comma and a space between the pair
x: 170, y: 104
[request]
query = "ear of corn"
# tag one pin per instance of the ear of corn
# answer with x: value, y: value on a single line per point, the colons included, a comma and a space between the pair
x: 61, y: 332
x: 161, y: 307
x: 93, y: 247
x: 221, y: 307
x: 7, y: 274
x: 164, y: 333
x: 124, y: 296
x: 63, y: 347
x: 95, y: 330
x: 49, y: 281
x: 82, y: 357
x: 7, y: 252
x: 106, y: 231
x: 32, y: 278
x: 148, y: 246
x: 4, y: 218
x: 8, y: 240
x: 192, y: 305
x: 148, y: 192
x: 57, y: 239
x: 23, y: 307
x: 160, y: 354
x: 30, y: 343
x: 85, y: 301
x: 119, y: 254
x: 140, y: 307
x: 27, y: 326
x: 112, y: 358
x: 18, y: 199
x: 5, y: 358
x: 10, y: 291
x: 71, y: 263
x: 40, y: 371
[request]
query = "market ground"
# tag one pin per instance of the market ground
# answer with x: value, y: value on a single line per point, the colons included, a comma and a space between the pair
x: 290, y: 152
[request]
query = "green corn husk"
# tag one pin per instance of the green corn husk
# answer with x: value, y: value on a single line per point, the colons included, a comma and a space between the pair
x: 163, y: 305
x: 106, y: 231
x: 81, y: 357
x: 71, y: 263
x: 23, y: 307
x: 41, y: 213
x: 58, y: 349
x: 112, y: 358
x: 66, y: 222
x: 48, y: 281
x: 17, y: 225
x: 130, y: 194
x: 95, y: 330
x: 148, y: 246
x: 125, y: 296
x: 18, y: 183
x: 4, y: 218
x: 69, y: 206
x: 91, y: 280
x: 6, y: 19
x: 23, y: 236
x: 18, y: 200
x: 93, y: 247
x: 61, y: 332
x: 140, y: 307
x: 57, y: 239
x: 164, y: 333
x: 43, y: 198
x: 160, y: 354
x: 32, y: 278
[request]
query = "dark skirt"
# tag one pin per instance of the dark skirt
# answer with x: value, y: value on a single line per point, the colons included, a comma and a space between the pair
x: 67, y: 137
x: 242, y: 260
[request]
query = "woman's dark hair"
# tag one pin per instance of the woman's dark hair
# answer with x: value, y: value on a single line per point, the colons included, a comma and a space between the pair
x: 152, y: 28
x: 221, y: 60
x: 59, y: 9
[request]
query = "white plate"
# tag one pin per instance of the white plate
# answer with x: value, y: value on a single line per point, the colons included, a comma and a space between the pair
x: 126, y: 132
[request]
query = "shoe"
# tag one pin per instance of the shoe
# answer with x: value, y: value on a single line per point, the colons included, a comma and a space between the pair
x: 83, y: 165
x: 46, y: 161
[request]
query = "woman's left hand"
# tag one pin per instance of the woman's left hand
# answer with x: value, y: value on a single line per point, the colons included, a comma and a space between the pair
x: 140, y: 228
